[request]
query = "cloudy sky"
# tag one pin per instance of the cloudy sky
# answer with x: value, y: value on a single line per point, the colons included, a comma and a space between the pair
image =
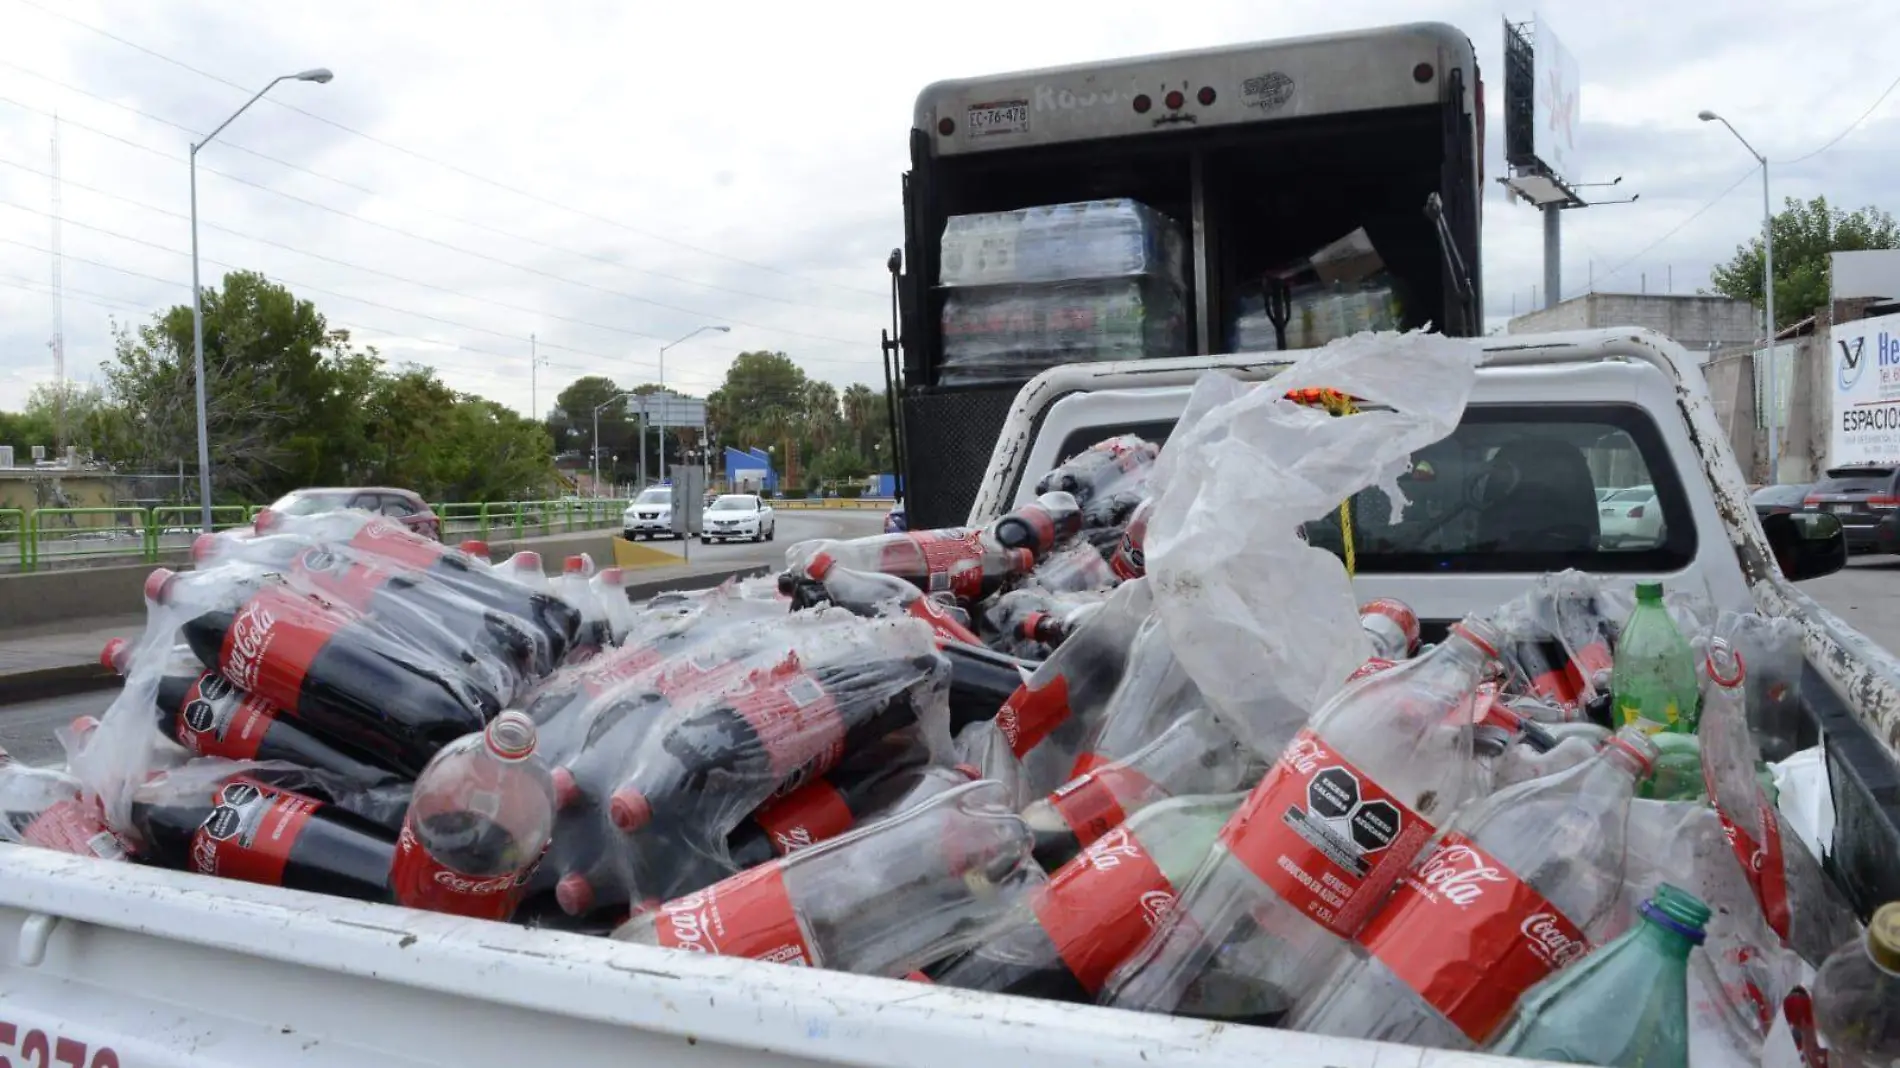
x: 607, y: 177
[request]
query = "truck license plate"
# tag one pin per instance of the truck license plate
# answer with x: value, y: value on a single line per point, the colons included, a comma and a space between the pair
x: 997, y: 117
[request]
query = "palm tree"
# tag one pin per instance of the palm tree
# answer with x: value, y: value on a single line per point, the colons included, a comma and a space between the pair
x: 821, y: 416
x: 858, y: 407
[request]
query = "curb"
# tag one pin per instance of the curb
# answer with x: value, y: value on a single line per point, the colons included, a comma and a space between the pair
x: 65, y: 680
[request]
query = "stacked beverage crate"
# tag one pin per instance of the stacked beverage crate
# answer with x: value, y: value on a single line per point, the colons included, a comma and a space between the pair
x: 1093, y: 281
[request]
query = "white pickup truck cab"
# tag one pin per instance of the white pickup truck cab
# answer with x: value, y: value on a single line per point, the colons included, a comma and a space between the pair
x: 105, y: 965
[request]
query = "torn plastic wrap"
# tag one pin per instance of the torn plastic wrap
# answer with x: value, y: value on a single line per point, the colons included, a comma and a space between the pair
x: 1236, y: 484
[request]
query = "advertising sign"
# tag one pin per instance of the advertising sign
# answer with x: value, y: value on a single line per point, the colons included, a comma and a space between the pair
x: 1554, y: 114
x: 1864, y: 365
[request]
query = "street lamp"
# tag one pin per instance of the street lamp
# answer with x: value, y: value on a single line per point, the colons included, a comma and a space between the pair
x: 1768, y: 295
x: 319, y: 75
x: 663, y: 348
x: 609, y: 402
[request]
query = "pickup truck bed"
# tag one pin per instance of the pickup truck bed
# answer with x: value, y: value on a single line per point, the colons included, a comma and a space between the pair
x: 110, y: 964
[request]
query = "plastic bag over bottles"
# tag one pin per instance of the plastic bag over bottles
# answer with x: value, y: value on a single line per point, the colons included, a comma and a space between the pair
x: 1264, y: 624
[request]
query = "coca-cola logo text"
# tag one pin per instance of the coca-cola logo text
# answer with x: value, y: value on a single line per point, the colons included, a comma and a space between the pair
x: 1458, y: 873
x: 250, y: 636
x: 1304, y: 755
x: 793, y: 839
x: 688, y: 924
x: 463, y: 884
x: 1112, y: 849
x: 1550, y: 941
x: 1155, y: 906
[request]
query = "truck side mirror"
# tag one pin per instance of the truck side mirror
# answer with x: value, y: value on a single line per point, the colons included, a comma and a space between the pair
x: 1806, y: 544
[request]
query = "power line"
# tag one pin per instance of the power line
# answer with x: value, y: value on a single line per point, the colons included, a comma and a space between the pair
x: 457, y: 249
x: 405, y: 205
x: 1851, y: 127
x: 1676, y: 229
x: 373, y: 139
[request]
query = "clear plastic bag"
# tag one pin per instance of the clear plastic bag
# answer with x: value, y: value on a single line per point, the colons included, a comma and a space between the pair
x: 1051, y: 243
x: 1266, y: 625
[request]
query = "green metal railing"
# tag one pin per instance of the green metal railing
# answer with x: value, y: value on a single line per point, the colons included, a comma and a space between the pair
x: 44, y: 536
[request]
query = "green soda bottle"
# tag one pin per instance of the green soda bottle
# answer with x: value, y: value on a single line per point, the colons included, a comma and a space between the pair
x: 1653, y: 675
x: 1625, y: 1005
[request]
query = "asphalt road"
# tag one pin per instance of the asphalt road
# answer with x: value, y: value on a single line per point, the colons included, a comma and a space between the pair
x: 26, y: 731
x: 793, y: 527
x: 1867, y: 595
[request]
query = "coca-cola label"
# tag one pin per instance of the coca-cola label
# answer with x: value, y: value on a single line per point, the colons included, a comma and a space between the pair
x: 341, y: 578
x: 1470, y: 937
x: 1099, y: 907
x: 796, y: 721
x: 748, y: 915
x: 71, y: 825
x: 272, y: 642
x: 418, y: 880
x: 398, y: 544
x: 945, y: 626
x: 1130, y: 561
x: 1324, y: 835
x: 953, y: 561
x: 218, y: 720
x: 250, y: 832
x: 1762, y: 862
x: 1399, y: 613
x: 1563, y: 678
x: 1372, y: 666
x: 809, y: 815
x: 1033, y: 712
x: 1098, y: 801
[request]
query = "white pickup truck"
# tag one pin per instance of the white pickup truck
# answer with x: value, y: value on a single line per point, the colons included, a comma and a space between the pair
x: 105, y: 965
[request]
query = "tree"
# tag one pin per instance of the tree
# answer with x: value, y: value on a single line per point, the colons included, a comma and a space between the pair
x: 572, y: 424
x: 1804, y: 235
x: 756, y: 382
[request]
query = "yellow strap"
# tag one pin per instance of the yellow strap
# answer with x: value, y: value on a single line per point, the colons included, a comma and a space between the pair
x: 1338, y: 403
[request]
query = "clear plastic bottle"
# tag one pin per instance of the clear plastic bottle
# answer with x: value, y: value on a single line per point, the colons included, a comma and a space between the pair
x: 882, y: 900
x: 1857, y: 996
x: 1513, y: 893
x: 1653, y: 674
x: 1337, y: 820
x: 480, y: 818
x: 1624, y: 1006
x: 964, y: 563
x: 1392, y: 626
x: 1154, y: 687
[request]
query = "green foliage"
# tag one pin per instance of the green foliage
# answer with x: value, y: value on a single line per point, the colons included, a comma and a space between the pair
x: 767, y: 402
x: 1804, y: 235
x: 290, y: 402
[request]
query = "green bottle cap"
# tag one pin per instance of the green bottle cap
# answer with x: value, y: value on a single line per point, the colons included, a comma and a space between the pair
x: 1677, y: 910
x: 1649, y: 592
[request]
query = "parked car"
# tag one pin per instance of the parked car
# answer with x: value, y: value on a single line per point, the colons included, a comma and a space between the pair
x: 1865, y: 500
x: 649, y: 516
x: 405, y: 506
x: 1779, y: 500
x: 1630, y: 517
x: 739, y: 515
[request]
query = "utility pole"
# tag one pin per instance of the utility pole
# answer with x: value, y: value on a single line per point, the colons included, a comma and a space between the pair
x: 534, y: 393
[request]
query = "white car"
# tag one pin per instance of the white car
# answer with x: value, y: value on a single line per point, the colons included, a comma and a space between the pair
x: 739, y: 515
x: 650, y: 515
x: 1630, y: 517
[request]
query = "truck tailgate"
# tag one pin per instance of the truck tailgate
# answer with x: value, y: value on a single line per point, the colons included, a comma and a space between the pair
x: 150, y: 967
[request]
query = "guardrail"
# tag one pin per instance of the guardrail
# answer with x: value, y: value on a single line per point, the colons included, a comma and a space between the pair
x: 41, y: 537
x: 882, y: 504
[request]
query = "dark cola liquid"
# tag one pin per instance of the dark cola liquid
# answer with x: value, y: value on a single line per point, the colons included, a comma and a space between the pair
x: 192, y: 712
x: 1050, y: 981
x: 980, y: 681
x: 471, y: 843
x: 333, y: 852
x: 1055, y: 843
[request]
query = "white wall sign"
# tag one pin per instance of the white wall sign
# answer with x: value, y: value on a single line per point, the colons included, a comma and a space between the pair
x: 1864, y: 365
x: 1554, y: 113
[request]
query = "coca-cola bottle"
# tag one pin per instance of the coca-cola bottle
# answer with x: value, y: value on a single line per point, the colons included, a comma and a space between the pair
x: 1078, y: 568
x: 786, y: 724
x: 1154, y: 687
x: 1521, y: 885
x: 964, y: 563
x: 1030, y: 623
x: 1392, y: 626
x: 1196, y: 755
x: 1048, y: 719
x: 470, y: 576
x: 1797, y: 899
x: 238, y: 828
x: 210, y: 717
x: 1338, y: 819
x: 1129, y: 559
x: 981, y: 679
x: 575, y: 586
x: 1101, y: 468
x: 349, y: 679
x: 49, y: 809
x: 480, y: 818
x: 873, y: 594
x: 1098, y: 907
x: 828, y: 807
x: 118, y: 655
x: 882, y: 900
x: 476, y: 549
x: 1040, y: 525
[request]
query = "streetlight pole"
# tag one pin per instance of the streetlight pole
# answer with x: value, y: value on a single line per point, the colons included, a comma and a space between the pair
x: 1768, y: 299
x: 608, y: 403
x: 663, y: 348
x: 319, y: 75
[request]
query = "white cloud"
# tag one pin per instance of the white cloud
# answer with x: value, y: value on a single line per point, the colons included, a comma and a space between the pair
x: 751, y: 153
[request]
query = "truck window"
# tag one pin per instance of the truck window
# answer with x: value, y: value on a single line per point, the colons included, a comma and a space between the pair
x: 1514, y: 489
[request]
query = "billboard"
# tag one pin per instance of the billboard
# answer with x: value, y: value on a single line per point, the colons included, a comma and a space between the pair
x: 1554, y: 114
x: 1864, y: 366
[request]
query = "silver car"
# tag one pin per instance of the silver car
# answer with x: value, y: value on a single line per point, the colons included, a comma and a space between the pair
x: 649, y: 516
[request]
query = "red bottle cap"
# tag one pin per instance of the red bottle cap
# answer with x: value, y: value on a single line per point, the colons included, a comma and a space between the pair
x: 113, y: 655
x: 203, y: 547
x: 819, y: 567
x: 265, y: 520
x: 629, y: 809
x: 526, y: 560
x: 1021, y: 560
x: 81, y: 726
x: 574, y: 894
x: 574, y: 565
x: 612, y: 576
x: 475, y: 547
x: 158, y: 584
x: 566, y: 790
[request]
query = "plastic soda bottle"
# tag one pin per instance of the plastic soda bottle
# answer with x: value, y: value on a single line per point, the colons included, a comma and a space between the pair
x: 1653, y: 676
